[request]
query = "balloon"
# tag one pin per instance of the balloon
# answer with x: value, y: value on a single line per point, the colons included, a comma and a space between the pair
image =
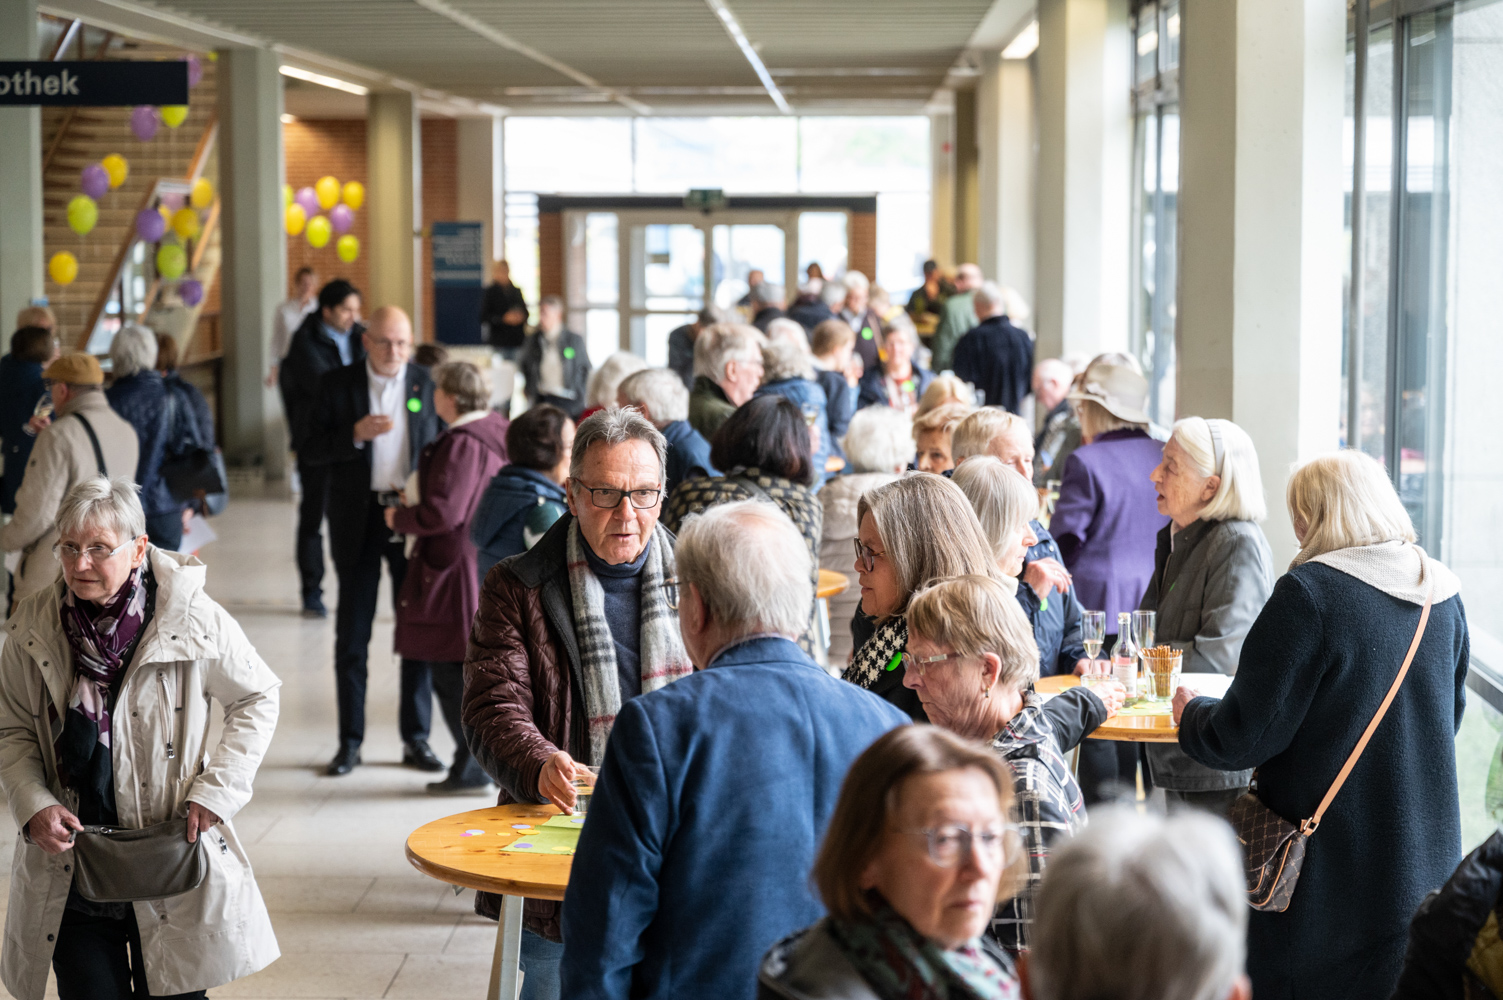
x: 341, y: 218
x: 286, y: 195
x: 191, y: 291
x: 195, y: 70
x: 63, y: 267
x: 185, y: 223
x: 115, y: 166
x: 165, y: 214
x: 296, y: 219
x: 94, y: 181
x: 306, y: 198
x: 83, y: 213
x: 327, y: 190
x: 171, y: 261
x: 203, y: 193
x: 174, y: 115
x: 174, y: 201
x: 150, y: 225
x: 143, y: 122
x: 348, y: 248
x: 319, y: 232
x: 354, y: 194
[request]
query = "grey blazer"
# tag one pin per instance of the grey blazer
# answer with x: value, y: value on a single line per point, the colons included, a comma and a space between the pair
x: 1207, y: 591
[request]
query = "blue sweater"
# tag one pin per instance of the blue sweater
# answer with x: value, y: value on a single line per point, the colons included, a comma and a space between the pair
x: 141, y: 400
x: 687, y: 450
x: 1055, y: 619
x: 622, y: 588
x: 501, y: 514
x: 21, y: 386
x: 713, y: 797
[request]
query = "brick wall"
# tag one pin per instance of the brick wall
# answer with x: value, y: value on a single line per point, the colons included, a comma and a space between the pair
x: 550, y: 253
x: 440, y: 198
x: 863, y: 244
x: 312, y: 149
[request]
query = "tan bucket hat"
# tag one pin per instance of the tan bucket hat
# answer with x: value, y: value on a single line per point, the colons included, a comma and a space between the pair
x: 1122, y: 391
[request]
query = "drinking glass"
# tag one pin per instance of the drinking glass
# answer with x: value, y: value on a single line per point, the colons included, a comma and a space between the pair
x: 584, y: 787
x: 1092, y: 635
x: 42, y: 409
x: 1161, y: 673
x: 1143, y: 625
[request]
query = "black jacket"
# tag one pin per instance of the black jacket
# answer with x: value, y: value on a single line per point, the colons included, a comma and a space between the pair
x: 809, y: 314
x: 766, y: 315
x: 344, y: 398
x: 576, y: 368
x: 997, y: 358
x: 500, y: 300
x: 1055, y: 619
x: 310, y: 354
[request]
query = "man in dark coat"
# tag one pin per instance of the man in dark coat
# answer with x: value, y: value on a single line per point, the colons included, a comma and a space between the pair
x: 554, y: 361
x: 21, y: 385
x: 995, y: 356
x: 372, y: 422
x: 766, y: 304
x: 809, y: 309
x: 329, y: 338
x: 504, y: 313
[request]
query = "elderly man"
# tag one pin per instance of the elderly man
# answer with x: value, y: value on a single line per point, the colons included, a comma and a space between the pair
x: 857, y: 312
x: 660, y: 397
x: 85, y: 439
x: 766, y: 304
x: 681, y: 342
x: 958, y: 319
x: 727, y: 372
x: 374, y: 419
x: 1059, y: 430
x: 716, y: 791
x: 995, y: 356
x: 567, y: 634
x: 554, y: 361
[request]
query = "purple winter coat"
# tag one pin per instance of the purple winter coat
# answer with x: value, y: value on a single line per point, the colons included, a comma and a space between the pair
x: 1107, y: 521
x: 441, y: 592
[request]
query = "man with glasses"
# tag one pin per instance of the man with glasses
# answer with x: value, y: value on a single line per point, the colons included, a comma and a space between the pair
x: 85, y: 439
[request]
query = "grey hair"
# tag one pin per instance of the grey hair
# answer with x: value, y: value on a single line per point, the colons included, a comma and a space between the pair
x: 988, y: 298
x: 133, y: 350
x: 721, y: 343
x: 103, y: 503
x: 855, y: 279
x: 768, y: 293
x: 1003, y: 500
x: 788, y: 331
x: 1180, y: 876
x: 660, y: 390
x: 771, y: 589
x: 975, y: 434
x: 833, y: 294
x: 614, y: 426
x: 783, y: 360
x: 710, y: 314
x: 929, y: 531
x: 879, y: 439
x: 1239, y: 497
x: 601, y: 388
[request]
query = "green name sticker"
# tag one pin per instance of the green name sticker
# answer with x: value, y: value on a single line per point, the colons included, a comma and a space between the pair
x: 569, y: 353
x: 866, y: 333
x: 414, y: 405
x: 908, y: 385
x: 897, y: 658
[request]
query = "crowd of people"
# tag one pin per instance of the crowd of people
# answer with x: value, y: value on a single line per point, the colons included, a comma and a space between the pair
x: 617, y: 586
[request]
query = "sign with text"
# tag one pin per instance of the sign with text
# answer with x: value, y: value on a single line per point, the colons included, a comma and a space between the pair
x: 458, y: 280
x: 94, y: 84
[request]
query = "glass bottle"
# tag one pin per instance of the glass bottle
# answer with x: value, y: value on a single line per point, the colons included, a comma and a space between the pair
x: 1125, y: 656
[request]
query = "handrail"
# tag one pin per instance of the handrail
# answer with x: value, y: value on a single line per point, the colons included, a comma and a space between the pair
x: 62, y: 130
x: 66, y: 39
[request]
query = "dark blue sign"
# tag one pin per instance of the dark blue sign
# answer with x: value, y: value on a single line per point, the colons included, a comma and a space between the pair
x: 458, y: 280
x: 99, y: 83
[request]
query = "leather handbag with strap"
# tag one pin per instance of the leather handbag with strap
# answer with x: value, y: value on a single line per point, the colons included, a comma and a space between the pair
x: 116, y: 865
x: 1274, y: 848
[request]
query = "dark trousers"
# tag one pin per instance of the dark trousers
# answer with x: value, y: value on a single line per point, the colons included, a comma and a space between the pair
x: 421, y: 680
x: 165, y: 530
x: 310, y: 522
x: 1108, y: 771
x: 99, y: 958
x: 359, y: 584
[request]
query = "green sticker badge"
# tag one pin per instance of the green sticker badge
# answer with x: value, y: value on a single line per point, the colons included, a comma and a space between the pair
x: 908, y: 385
x: 569, y: 354
x: 897, y: 658
x: 866, y: 333
x: 414, y: 405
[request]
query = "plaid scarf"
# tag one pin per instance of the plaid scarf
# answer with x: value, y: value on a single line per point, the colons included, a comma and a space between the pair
x: 662, y: 652
x: 871, y: 660
x: 101, y: 638
x: 899, y: 963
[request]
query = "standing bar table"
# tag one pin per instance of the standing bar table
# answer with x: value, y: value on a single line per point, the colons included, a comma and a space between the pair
x: 1136, y: 727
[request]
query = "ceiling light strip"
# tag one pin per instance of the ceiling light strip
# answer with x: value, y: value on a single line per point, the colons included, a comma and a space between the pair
x: 733, y: 28
x: 297, y: 73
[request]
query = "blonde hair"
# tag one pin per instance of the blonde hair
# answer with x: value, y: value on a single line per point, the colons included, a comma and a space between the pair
x: 1004, y: 501
x: 1239, y: 497
x: 975, y: 615
x: 929, y: 531
x: 1096, y: 420
x: 975, y: 434
x: 1344, y: 500
x: 942, y: 418
x: 830, y: 336
x: 945, y: 390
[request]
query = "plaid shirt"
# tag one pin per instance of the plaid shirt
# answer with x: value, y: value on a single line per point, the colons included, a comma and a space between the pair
x: 1047, y: 805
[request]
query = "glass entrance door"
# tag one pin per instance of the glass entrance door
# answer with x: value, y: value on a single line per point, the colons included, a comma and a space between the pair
x: 667, y: 281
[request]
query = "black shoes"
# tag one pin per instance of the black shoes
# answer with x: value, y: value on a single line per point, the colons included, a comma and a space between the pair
x: 345, y: 761
x: 314, y: 608
x: 449, y: 786
x: 420, y: 755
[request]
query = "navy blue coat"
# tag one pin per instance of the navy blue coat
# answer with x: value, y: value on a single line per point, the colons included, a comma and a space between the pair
x: 1055, y: 619
x: 997, y: 358
x: 840, y: 405
x: 496, y: 528
x: 687, y: 450
x: 21, y: 386
x: 806, y: 392
x: 713, y: 798
x: 874, y: 391
x: 141, y: 400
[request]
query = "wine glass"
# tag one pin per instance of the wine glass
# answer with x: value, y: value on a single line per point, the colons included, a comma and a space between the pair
x: 1143, y: 625
x: 1092, y: 635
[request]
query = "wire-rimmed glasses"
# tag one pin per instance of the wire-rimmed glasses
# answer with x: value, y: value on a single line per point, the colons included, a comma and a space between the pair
x: 70, y: 553
x: 953, y: 844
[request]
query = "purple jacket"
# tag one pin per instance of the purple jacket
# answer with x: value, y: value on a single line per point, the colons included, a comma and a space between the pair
x: 1107, y: 521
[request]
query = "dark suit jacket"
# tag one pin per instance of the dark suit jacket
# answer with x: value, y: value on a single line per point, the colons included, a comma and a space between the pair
x: 310, y: 354
x: 344, y: 398
x: 576, y: 368
x: 997, y: 358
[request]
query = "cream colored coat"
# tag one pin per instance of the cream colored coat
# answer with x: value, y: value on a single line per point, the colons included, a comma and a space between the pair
x: 192, y: 651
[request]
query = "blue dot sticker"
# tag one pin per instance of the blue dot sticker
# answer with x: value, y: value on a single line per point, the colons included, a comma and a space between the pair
x: 414, y: 405
x: 569, y: 353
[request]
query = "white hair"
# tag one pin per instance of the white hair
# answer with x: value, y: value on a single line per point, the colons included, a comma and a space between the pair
x: 771, y: 589
x: 614, y: 426
x: 790, y: 331
x: 1240, y: 495
x: 110, y: 504
x: 721, y: 343
x: 605, y: 380
x: 768, y: 293
x: 782, y: 360
x: 879, y: 439
x: 988, y: 300
x: 975, y: 434
x: 1004, y: 501
x: 133, y: 350
x: 832, y: 294
x: 855, y: 280
x: 1141, y: 907
x: 660, y: 390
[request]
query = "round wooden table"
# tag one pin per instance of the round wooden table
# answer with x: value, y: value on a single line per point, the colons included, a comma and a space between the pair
x: 831, y: 583
x: 465, y: 850
x: 1122, y: 729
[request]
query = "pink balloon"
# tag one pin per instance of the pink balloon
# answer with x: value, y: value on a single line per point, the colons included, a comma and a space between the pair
x: 195, y: 70
x: 94, y: 181
x: 308, y: 198
x: 174, y: 201
x: 150, y: 225
x: 341, y: 218
x: 143, y: 122
x: 191, y: 291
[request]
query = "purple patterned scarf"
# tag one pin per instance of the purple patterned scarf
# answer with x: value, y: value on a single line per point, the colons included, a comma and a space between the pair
x: 100, y: 638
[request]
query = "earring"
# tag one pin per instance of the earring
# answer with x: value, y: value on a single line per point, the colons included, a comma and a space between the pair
x: 987, y: 694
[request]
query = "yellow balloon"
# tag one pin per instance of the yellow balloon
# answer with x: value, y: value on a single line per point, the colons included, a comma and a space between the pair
x: 286, y: 195
x: 117, y: 168
x: 185, y: 223
x: 348, y: 248
x: 203, y: 193
x: 354, y: 194
x: 296, y: 219
x: 319, y: 232
x: 327, y: 190
x: 171, y: 261
x: 174, y: 115
x: 63, y: 267
x: 166, y: 214
x: 83, y: 213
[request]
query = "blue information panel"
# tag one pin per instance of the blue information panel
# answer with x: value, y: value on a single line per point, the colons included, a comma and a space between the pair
x: 458, y: 281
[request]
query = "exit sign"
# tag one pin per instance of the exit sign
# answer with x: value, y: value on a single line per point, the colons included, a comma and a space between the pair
x: 705, y: 199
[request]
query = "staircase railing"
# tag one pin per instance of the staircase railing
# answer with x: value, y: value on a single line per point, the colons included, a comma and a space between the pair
x: 57, y: 53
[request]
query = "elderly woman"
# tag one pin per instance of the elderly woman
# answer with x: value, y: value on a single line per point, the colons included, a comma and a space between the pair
x: 788, y: 371
x: 138, y: 394
x: 1212, y: 574
x: 105, y: 682
x: 971, y: 661
x: 727, y: 372
x: 933, y: 434
x: 879, y: 448
x: 441, y: 591
x: 947, y: 389
x: 897, y: 381
x: 918, y: 854
x: 1314, y: 671
x: 605, y: 381
x: 191, y: 422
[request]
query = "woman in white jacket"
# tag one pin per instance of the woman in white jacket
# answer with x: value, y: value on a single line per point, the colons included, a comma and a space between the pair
x: 105, y: 683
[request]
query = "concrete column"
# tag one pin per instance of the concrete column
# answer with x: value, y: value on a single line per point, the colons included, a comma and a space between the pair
x: 942, y: 188
x: 22, y: 269
x: 394, y: 151
x: 967, y: 179
x: 1084, y: 176
x: 253, y: 275
x: 1005, y: 132
x: 478, y: 176
x: 1261, y: 242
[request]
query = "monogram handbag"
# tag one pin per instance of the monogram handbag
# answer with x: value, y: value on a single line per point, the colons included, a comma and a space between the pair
x: 1274, y: 848
x: 125, y: 866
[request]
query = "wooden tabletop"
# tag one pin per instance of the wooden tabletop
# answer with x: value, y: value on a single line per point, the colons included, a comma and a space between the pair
x: 834, y: 463
x: 441, y: 850
x: 1121, y: 729
x: 831, y: 583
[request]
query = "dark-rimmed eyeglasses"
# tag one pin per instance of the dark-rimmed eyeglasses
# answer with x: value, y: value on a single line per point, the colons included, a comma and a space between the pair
x: 611, y: 499
x: 70, y: 553
x: 955, y: 844
x: 921, y: 663
x: 866, y: 556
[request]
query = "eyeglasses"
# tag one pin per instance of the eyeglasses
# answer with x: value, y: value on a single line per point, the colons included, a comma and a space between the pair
x: 955, y: 844
x: 97, y: 554
x: 866, y: 556
x: 611, y: 499
x: 920, y: 663
x: 670, y: 593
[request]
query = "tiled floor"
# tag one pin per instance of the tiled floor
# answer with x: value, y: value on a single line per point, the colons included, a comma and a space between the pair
x: 353, y: 918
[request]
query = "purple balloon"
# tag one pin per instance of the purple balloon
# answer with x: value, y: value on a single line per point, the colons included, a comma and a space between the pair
x: 195, y: 70
x: 341, y: 218
x: 191, y: 291
x: 94, y: 181
x: 143, y: 122
x: 307, y: 198
x: 150, y: 225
